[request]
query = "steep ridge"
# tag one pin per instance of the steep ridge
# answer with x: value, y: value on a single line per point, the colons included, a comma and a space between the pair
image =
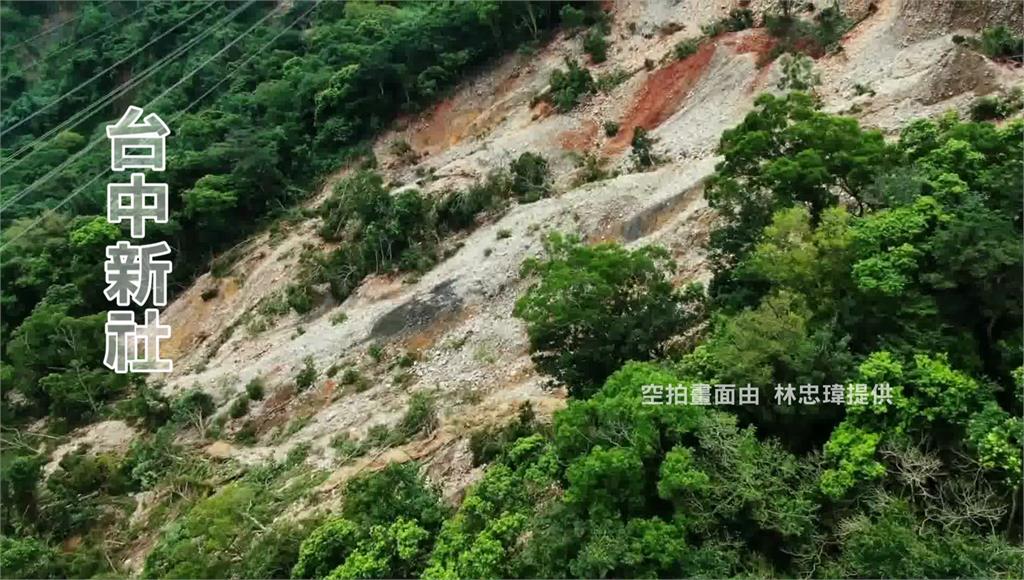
x: 472, y: 353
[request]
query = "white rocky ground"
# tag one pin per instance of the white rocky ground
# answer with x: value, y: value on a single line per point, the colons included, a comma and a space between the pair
x: 458, y: 316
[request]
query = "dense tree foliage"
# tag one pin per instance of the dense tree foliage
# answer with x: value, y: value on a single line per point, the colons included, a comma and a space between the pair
x: 238, y: 157
x: 386, y: 529
x: 594, y: 308
x: 839, y: 257
x: 263, y: 100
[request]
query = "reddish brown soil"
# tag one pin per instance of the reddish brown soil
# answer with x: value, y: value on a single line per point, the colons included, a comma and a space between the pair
x: 274, y: 412
x: 756, y: 41
x: 541, y: 110
x: 435, y: 131
x: 661, y: 96
x: 580, y: 139
x: 459, y: 117
x: 327, y: 392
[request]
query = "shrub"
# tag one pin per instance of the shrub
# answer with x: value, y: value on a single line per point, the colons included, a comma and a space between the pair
x: 28, y: 557
x: 993, y: 107
x: 420, y: 417
x: 351, y: 376
x: 193, y: 408
x: 686, y: 48
x: 738, y: 19
x: 376, y: 352
x: 830, y: 25
x: 307, y: 375
x: 146, y: 407
x: 345, y: 448
x: 1001, y: 42
x: 814, y: 38
x: 19, y: 479
x: 458, y: 210
x: 571, y: 17
x: 72, y: 499
x: 611, y: 79
x: 239, y: 407
x: 299, y: 297
x: 592, y: 308
x: 377, y: 436
x: 149, y: 459
x: 591, y: 168
x: 611, y: 128
x: 503, y: 234
x: 338, y: 318
x: 401, y: 149
x: 798, y: 73
x: 276, y: 552
x: 246, y: 434
x: 530, y: 177
x: 986, y: 109
x: 403, y: 379
x: 297, y: 454
x: 489, y: 443
x: 202, y: 543
x: 643, y: 149
x: 596, y: 46
x: 209, y: 294
x: 254, y: 389
x: 861, y: 89
x: 568, y: 87
x: 409, y: 358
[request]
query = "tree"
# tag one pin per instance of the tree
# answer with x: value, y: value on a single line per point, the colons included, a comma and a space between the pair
x: 798, y: 73
x: 28, y: 558
x: 202, y: 543
x: 596, y: 46
x: 50, y: 339
x: 570, y: 86
x: 530, y: 177
x: 594, y: 308
x: 211, y: 202
x: 395, y: 491
x: 194, y: 408
x: 388, y: 523
x: 643, y: 149
x: 326, y: 548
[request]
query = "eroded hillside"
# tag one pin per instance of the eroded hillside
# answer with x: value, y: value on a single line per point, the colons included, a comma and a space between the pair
x: 472, y: 352
x: 450, y: 332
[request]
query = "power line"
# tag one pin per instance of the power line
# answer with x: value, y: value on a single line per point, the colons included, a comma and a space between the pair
x: 103, y: 72
x: 44, y: 32
x: 54, y: 209
x: 120, y: 90
x: 8, y: 203
x: 246, y: 61
x: 81, y: 188
x: 36, y: 62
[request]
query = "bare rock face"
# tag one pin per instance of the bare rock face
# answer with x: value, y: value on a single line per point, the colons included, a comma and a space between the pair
x: 923, y: 19
x: 961, y: 71
x: 103, y: 437
x: 896, y: 64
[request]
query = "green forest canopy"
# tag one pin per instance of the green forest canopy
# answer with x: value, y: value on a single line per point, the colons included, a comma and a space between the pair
x: 841, y: 257
x: 237, y: 159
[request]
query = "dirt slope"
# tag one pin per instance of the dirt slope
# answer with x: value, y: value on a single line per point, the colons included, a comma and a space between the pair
x: 472, y: 352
